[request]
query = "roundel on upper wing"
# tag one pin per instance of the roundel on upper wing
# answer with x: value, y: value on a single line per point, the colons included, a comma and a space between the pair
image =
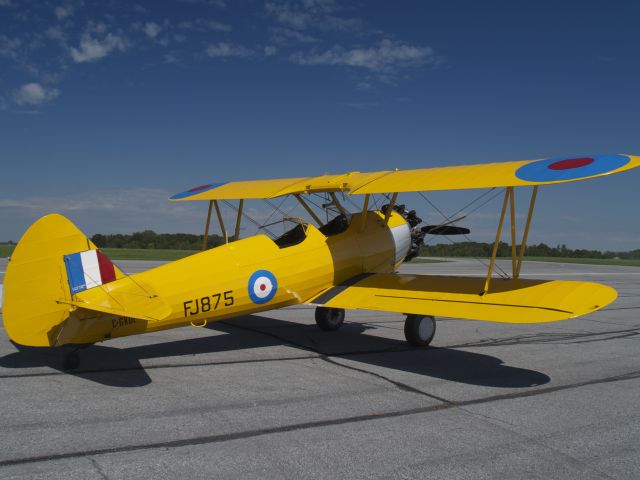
x: 262, y: 286
x: 562, y: 169
x: 196, y: 190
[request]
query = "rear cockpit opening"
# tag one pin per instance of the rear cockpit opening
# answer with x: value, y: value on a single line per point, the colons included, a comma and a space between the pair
x: 292, y: 237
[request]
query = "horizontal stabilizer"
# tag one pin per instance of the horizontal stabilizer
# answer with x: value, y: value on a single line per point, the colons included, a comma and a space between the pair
x: 124, y: 298
x: 509, y: 301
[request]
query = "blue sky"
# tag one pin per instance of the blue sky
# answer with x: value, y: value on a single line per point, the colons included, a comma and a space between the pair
x: 107, y: 108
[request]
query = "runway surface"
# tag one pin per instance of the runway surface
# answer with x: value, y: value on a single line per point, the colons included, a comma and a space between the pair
x: 272, y: 396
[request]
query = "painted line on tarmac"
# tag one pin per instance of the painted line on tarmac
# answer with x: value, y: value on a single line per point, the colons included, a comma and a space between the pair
x: 81, y: 373
x: 227, y: 437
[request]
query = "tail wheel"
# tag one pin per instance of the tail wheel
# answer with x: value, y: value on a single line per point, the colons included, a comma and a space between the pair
x: 71, y: 361
x: 329, y: 319
x: 419, y: 330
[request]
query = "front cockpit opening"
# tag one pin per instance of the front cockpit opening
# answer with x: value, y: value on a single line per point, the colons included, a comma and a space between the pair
x: 336, y: 225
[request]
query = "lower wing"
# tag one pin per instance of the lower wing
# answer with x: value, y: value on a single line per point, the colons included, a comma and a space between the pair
x: 509, y: 301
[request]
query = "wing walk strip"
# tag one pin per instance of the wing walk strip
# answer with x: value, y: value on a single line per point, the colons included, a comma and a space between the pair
x: 466, y: 302
x: 226, y: 437
x: 338, y: 289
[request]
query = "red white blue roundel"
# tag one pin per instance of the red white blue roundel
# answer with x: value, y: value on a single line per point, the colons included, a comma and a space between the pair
x: 262, y: 286
x: 196, y: 190
x: 562, y: 169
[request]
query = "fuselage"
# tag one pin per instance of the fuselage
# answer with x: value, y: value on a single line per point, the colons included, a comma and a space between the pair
x: 249, y: 276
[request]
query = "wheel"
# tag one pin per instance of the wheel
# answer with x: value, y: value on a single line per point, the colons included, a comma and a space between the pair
x: 419, y: 329
x: 329, y: 319
x: 71, y: 361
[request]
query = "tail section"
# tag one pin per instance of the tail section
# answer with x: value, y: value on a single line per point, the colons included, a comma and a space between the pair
x: 51, y: 295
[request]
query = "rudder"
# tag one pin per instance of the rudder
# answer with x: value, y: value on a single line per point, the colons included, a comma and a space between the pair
x: 38, y: 279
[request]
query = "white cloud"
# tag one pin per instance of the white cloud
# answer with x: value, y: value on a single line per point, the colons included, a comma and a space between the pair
x: 92, y: 49
x: 270, y: 50
x: 205, y: 24
x: 303, y: 14
x: 282, y: 35
x: 169, y: 58
x: 213, y: 3
x: 152, y: 29
x: 63, y: 12
x: 362, y: 105
x: 9, y: 47
x: 386, y: 57
x: 226, y: 50
x: 214, y: 25
x: 34, y: 94
x: 144, y: 199
x: 104, y: 211
x: 55, y: 33
x: 286, y: 14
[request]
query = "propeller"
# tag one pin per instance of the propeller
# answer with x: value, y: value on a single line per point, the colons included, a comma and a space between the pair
x: 444, y: 230
x: 417, y: 234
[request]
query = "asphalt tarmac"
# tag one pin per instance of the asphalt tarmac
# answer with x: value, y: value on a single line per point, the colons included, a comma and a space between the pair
x: 272, y: 396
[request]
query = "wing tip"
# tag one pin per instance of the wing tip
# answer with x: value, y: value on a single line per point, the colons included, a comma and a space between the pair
x: 185, y: 195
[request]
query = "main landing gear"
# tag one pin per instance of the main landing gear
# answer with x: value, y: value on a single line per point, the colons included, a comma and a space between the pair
x: 329, y: 319
x: 419, y: 330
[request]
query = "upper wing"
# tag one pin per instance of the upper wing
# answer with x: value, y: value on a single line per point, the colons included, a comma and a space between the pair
x: 281, y: 186
x: 509, y: 301
x: 487, y: 175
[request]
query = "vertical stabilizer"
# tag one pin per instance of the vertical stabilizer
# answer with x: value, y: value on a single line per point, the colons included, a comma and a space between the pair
x: 52, y: 262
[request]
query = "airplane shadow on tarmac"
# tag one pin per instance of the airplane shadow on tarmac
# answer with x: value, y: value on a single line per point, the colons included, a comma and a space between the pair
x: 121, y: 367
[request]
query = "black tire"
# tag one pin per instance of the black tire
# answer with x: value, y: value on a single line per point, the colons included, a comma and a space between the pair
x: 419, y: 330
x: 329, y: 319
x: 71, y: 361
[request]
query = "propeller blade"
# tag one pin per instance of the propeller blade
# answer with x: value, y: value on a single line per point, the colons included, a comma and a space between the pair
x: 444, y: 230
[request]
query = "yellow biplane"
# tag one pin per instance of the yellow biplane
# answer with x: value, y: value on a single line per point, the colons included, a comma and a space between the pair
x: 60, y: 289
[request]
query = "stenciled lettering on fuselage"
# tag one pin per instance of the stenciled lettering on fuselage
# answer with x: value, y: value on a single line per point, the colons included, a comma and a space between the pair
x: 122, y: 322
x: 207, y: 304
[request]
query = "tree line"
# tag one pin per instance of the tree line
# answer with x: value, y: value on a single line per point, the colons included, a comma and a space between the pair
x: 477, y: 249
x: 149, y: 239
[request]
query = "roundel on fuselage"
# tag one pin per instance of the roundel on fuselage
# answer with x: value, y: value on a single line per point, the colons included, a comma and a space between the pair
x: 262, y: 286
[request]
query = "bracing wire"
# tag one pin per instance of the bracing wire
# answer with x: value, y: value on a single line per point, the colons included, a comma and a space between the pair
x: 248, y: 217
x: 375, y: 201
x: 308, y: 199
x: 499, y: 270
x: 276, y: 208
x: 348, y: 199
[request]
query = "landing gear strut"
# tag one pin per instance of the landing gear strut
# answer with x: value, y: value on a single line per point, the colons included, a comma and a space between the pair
x: 419, y: 329
x: 329, y: 319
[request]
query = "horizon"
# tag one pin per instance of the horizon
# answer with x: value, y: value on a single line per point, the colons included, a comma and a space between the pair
x: 107, y: 109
